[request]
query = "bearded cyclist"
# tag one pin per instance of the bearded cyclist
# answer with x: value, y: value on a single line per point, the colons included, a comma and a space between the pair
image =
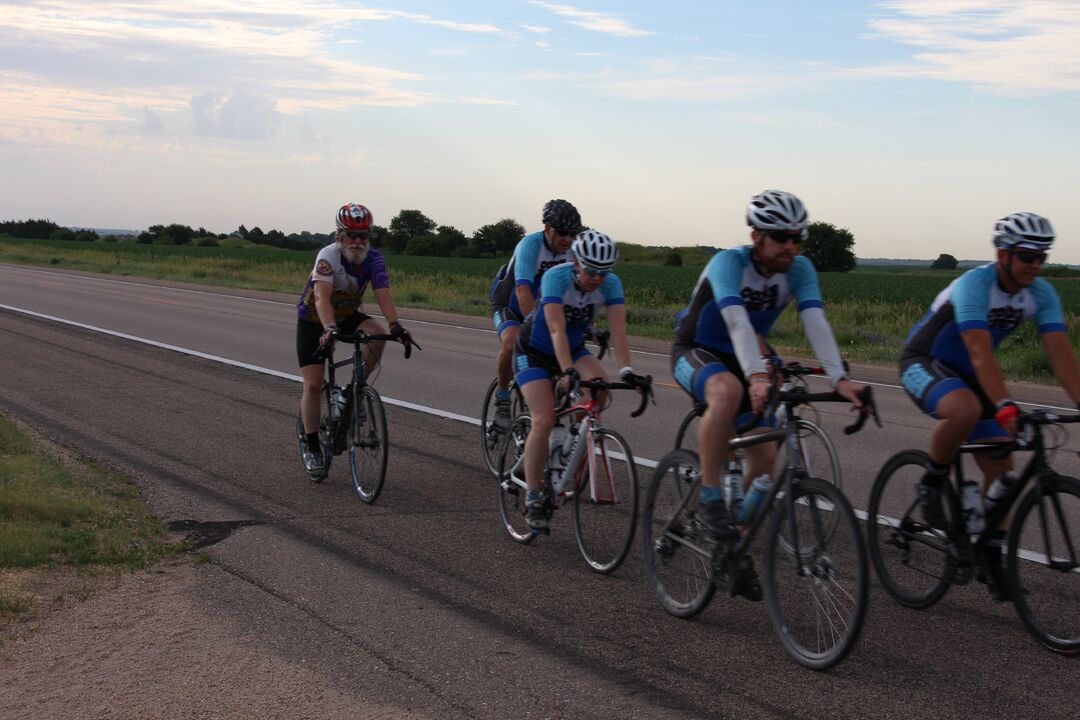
x: 513, y: 292
x: 552, y: 343
x: 948, y: 366
x: 720, y: 356
x: 332, y: 301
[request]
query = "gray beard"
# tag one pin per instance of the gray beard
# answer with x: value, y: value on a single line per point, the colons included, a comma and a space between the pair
x: 354, y: 256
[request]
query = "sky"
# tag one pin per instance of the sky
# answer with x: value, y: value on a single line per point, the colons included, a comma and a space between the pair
x: 913, y: 123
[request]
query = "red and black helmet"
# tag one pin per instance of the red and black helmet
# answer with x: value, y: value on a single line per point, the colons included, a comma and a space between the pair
x: 353, y: 216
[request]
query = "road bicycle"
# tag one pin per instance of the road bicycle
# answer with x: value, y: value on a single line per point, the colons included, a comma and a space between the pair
x: 491, y: 438
x: 352, y: 417
x: 591, y: 466
x: 815, y: 569
x: 819, y: 454
x: 917, y: 563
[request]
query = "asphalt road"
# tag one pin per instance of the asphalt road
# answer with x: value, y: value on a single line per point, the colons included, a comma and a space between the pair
x: 422, y: 599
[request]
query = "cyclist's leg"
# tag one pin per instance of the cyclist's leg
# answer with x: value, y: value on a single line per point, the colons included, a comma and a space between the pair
x: 507, y: 326
x: 311, y: 370
x: 373, y: 350
x: 534, y: 373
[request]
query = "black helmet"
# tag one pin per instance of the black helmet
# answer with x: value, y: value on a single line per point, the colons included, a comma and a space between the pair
x: 562, y: 216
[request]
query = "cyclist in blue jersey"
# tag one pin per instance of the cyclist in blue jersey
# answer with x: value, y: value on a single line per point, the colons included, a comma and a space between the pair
x: 513, y: 292
x: 552, y: 342
x: 948, y: 366
x: 332, y: 298
x: 720, y: 356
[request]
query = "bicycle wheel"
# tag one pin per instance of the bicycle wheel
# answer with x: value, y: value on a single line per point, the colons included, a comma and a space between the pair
x: 369, y: 445
x: 491, y: 439
x: 816, y: 588
x: 512, y: 482
x: 1044, y: 549
x: 818, y: 454
x: 606, y: 502
x: 911, y: 558
x: 686, y: 437
x: 677, y: 564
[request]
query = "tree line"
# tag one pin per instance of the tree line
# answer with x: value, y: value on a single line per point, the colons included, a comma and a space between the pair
x: 411, y: 232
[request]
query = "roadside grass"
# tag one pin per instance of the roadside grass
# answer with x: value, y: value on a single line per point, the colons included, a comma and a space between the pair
x: 871, y: 309
x: 61, y: 513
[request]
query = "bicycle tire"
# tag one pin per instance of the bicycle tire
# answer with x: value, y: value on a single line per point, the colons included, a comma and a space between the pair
x: 679, y: 574
x: 369, y: 444
x: 606, y: 502
x: 910, y: 558
x: 491, y: 439
x: 512, y: 482
x: 326, y: 432
x: 816, y: 589
x: 1047, y: 599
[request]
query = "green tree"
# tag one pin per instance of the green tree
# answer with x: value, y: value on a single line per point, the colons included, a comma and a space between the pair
x: 673, y: 259
x: 85, y: 235
x: 497, y: 239
x: 945, y: 261
x: 830, y: 248
x: 62, y: 234
x: 406, y: 225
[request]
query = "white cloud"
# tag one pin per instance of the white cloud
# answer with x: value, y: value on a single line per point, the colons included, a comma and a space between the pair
x: 598, y: 22
x: 451, y: 24
x: 239, y: 115
x: 538, y: 29
x: 1007, y: 48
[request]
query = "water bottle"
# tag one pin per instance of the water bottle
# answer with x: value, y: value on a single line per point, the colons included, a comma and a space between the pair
x: 971, y: 501
x: 555, y: 444
x: 733, y: 488
x: 759, y: 488
x: 999, y: 489
x: 337, y: 403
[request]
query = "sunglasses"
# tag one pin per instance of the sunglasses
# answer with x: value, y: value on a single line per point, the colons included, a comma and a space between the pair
x: 565, y: 232
x: 594, y: 272
x: 1029, y: 256
x: 784, y: 238
x: 357, y: 235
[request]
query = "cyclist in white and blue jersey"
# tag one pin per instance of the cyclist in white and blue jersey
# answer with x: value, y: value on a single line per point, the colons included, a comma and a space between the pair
x: 552, y: 343
x: 513, y: 292
x: 948, y: 366
x: 720, y: 356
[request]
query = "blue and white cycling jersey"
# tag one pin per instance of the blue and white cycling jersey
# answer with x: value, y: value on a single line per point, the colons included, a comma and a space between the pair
x: 579, y: 306
x: 975, y: 301
x: 532, y: 258
x: 730, y: 278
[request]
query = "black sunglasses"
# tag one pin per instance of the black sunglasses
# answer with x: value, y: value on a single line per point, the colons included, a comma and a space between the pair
x: 784, y: 238
x: 358, y: 235
x: 594, y: 272
x: 565, y: 232
x: 1029, y: 256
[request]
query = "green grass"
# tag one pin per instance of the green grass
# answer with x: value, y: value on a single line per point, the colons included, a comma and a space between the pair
x: 55, y: 513
x: 871, y: 309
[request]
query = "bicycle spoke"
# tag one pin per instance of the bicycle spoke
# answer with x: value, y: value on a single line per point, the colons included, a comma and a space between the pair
x: 605, y: 501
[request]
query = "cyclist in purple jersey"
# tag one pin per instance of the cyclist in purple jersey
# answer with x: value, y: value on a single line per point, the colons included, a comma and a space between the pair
x: 514, y: 290
x: 949, y: 370
x: 332, y: 299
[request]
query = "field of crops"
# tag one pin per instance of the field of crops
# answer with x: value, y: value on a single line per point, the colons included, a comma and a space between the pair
x: 871, y: 310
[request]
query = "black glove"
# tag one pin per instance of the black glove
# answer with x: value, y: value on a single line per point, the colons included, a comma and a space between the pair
x: 632, y: 379
x: 574, y: 376
x: 399, y: 332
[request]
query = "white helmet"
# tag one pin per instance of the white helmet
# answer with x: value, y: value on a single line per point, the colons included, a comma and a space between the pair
x: 1024, y: 229
x: 777, y: 210
x: 595, y: 249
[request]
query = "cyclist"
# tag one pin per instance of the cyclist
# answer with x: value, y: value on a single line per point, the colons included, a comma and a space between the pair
x: 552, y: 342
x: 513, y: 292
x: 720, y: 355
x: 331, y: 300
x: 948, y: 366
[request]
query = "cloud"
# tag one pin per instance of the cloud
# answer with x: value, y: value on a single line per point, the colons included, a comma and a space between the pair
x: 538, y: 29
x: 598, y: 22
x: 1006, y: 48
x: 152, y: 122
x: 451, y: 24
x: 238, y: 115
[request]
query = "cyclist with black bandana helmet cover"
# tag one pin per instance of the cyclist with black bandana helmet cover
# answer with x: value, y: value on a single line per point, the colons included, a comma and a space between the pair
x: 949, y: 370
x: 332, y: 300
x: 720, y: 356
x: 552, y: 343
x: 513, y: 292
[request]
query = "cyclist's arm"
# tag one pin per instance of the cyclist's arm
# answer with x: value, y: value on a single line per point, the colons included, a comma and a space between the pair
x: 324, y: 290
x: 386, y: 304
x: 980, y: 348
x: 1063, y: 362
x: 807, y: 291
x: 525, y: 299
x: 616, y: 318
x: 555, y: 318
x: 724, y: 273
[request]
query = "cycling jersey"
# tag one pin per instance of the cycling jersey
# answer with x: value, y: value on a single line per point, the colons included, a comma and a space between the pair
x: 733, y: 303
x: 349, y: 279
x: 558, y: 286
x: 975, y: 301
x: 531, y: 259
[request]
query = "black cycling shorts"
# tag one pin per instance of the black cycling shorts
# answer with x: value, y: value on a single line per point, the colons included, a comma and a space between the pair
x: 308, y: 334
